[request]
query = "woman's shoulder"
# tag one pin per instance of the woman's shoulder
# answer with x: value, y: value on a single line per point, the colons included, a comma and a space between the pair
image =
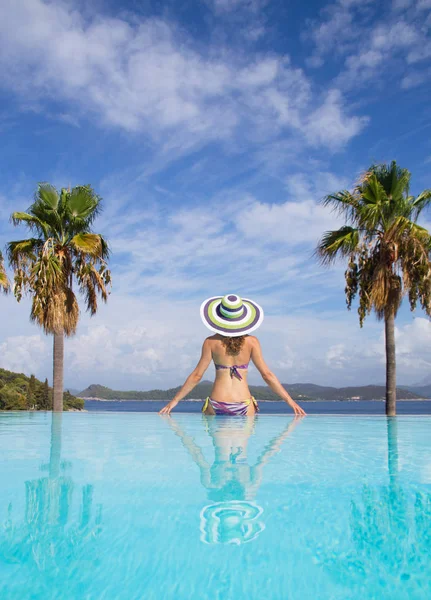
x: 212, y: 338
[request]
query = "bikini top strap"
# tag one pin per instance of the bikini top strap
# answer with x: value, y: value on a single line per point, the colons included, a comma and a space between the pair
x: 245, y: 366
x: 233, y: 369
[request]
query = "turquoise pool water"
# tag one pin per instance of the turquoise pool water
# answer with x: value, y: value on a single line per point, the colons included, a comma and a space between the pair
x: 132, y: 506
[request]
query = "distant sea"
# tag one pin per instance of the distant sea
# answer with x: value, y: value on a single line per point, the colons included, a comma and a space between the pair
x: 362, y: 407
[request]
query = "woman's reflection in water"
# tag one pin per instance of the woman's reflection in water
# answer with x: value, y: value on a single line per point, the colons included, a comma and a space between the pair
x: 231, y: 482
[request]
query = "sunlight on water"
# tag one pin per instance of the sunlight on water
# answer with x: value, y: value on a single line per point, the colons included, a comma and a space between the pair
x: 133, y: 506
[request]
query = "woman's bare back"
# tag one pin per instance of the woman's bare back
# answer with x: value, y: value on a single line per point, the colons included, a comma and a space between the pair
x: 229, y: 388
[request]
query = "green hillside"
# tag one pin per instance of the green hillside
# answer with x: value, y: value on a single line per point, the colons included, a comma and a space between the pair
x: 422, y: 390
x: 20, y: 392
x: 298, y: 391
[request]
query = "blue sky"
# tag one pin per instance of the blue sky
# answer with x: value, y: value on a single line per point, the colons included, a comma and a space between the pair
x: 212, y: 129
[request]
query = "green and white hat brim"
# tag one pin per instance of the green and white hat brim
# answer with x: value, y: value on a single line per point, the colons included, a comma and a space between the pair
x: 244, y: 316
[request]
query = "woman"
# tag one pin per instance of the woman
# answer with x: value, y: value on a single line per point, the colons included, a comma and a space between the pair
x: 231, y: 348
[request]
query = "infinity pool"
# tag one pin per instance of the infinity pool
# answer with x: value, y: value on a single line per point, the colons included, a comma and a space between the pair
x: 111, y: 506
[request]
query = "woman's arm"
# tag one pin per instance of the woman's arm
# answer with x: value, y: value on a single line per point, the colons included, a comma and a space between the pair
x: 271, y: 379
x: 193, y: 379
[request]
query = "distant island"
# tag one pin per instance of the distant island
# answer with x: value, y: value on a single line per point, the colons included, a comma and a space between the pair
x: 302, y: 392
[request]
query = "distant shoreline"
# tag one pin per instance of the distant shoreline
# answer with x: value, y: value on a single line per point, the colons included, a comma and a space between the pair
x: 266, y: 401
x: 300, y: 392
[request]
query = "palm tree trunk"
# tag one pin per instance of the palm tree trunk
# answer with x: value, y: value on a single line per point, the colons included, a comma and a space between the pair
x: 391, y: 375
x: 57, y: 405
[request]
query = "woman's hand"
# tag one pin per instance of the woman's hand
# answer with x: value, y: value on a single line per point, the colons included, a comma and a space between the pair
x: 299, y: 412
x: 166, y: 410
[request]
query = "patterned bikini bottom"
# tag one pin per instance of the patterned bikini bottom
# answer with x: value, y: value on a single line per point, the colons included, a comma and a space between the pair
x: 238, y: 409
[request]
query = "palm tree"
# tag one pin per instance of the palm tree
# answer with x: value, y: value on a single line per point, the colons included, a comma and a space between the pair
x: 4, y: 282
x: 63, y: 251
x: 388, y: 253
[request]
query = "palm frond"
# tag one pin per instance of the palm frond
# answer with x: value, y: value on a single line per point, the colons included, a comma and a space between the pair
x: 374, y: 204
x: 394, y: 179
x: 400, y: 184
x: 93, y: 281
x: 50, y: 216
x: 423, y: 236
x: 33, y: 221
x: 70, y: 312
x: 398, y: 228
x: 386, y: 291
x: 105, y: 248
x: 23, y: 249
x: 88, y: 243
x: 83, y: 204
x: 412, y: 240
x: 56, y: 311
x: 4, y: 281
x: 373, y: 191
x: 47, y: 273
x: 343, y: 203
x: 340, y: 243
x: 402, y: 207
x: 48, y: 195
x: 423, y: 200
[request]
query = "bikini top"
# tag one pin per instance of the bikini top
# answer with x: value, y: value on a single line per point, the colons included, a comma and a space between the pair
x: 233, y: 369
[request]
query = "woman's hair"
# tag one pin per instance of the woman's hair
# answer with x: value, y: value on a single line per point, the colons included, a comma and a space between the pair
x: 233, y: 345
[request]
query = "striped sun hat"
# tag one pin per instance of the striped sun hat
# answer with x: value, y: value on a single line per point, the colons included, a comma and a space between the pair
x: 231, y: 315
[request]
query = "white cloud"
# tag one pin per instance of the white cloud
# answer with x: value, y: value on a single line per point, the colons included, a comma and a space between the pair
x: 367, y: 40
x: 383, y: 44
x: 401, y: 4
x: 413, y: 351
x: 227, y: 6
x: 23, y: 354
x: 337, y: 29
x: 300, y: 220
x: 290, y: 223
x: 420, y: 53
x: 146, y: 76
x: 415, y: 79
x: 336, y: 357
x: 152, y: 345
x: 329, y: 126
x: 414, y: 347
x: 288, y: 360
x: 190, y: 252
